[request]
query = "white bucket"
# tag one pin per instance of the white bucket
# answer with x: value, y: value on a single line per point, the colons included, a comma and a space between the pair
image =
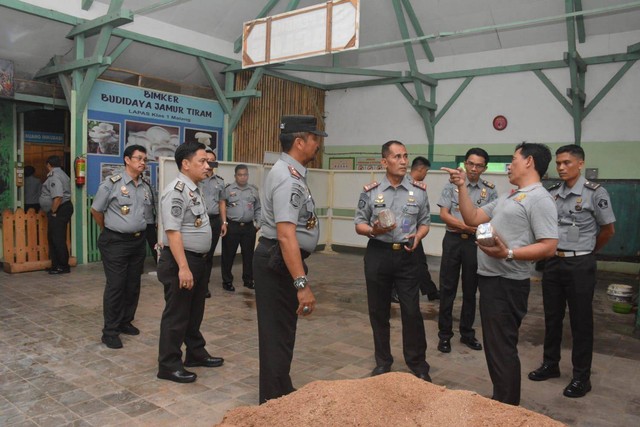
x: 620, y: 293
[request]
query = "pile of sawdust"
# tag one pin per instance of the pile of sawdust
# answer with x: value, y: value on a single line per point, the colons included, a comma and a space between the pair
x: 393, y: 399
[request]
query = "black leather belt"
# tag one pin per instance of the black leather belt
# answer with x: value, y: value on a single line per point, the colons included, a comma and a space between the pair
x: 130, y: 235
x: 463, y: 236
x: 190, y: 253
x: 241, y: 224
x: 392, y: 246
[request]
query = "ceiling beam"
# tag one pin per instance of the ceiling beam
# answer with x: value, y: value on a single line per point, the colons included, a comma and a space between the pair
x: 160, y: 5
x: 451, y: 100
x: 224, y: 102
x: 553, y: 89
x: 86, y: 4
x: 634, y: 48
x: 71, y: 66
x: 415, y: 22
x: 577, y: 7
x: 605, y: 90
x: 323, y: 70
x: 91, y: 28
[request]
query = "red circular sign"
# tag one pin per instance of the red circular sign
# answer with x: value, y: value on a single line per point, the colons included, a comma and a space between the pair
x: 499, y: 122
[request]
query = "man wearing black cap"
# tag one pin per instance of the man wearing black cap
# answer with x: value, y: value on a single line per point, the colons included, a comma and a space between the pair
x: 289, y: 234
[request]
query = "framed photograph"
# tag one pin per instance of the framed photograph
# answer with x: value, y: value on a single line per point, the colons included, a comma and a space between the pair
x: 205, y: 136
x: 159, y: 140
x: 341, y: 163
x: 108, y: 169
x: 6, y: 78
x: 103, y: 138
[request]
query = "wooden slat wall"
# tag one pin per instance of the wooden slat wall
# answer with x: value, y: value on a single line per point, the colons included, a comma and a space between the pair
x: 259, y: 126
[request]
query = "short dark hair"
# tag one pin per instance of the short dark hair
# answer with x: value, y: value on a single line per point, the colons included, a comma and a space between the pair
x: 420, y: 161
x: 130, y: 149
x: 54, y: 161
x: 540, y: 153
x: 477, y: 151
x: 573, y: 149
x: 386, y: 147
x: 29, y: 170
x: 286, y: 139
x: 187, y: 151
x: 240, y: 167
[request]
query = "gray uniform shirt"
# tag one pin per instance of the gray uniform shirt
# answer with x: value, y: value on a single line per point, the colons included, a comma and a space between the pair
x: 150, y: 209
x: 481, y: 193
x: 408, y: 201
x: 520, y: 218
x: 213, y: 190
x: 287, y: 199
x: 581, y: 211
x: 243, y: 203
x: 123, y: 203
x: 57, y: 184
x: 184, y: 210
x: 32, y: 190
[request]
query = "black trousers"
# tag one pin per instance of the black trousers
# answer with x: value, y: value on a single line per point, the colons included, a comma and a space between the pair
x: 458, y: 253
x: 427, y: 286
x: 57, y: 235
x: 503, y: 305
x: 276, y: 303
x: 123, y: 260
x: 569, y: 281
x: 245, y: 236
x: 216, y: 228
x: 183, y: 311
x: 384, y: 268
x: 151, y: 236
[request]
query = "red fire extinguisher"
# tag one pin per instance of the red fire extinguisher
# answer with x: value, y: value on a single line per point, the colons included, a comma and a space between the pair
x: 81, y: 170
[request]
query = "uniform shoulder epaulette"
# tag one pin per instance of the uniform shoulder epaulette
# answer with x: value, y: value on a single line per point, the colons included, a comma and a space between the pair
x: 371, y: 186
x: 227, y: 185
x: 294, y: 173
x: 420, y: 185
x: 592, y: 185
x: 115, y: 178
x: 554, y: 186
x: 50, y: 174
x: 219, y: 177
x: 146, y: 180
x: 489, y: 184
x: 179, y: 186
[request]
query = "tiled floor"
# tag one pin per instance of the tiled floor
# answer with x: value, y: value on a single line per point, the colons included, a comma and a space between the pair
x: 54, y: 371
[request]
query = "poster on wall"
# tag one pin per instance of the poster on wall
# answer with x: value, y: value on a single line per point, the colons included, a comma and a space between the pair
x: 368, y: 164
x: 121, y: 115
x: 6, y: 78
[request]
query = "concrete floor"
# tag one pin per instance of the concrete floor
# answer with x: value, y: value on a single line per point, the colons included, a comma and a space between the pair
x: 54, y: 371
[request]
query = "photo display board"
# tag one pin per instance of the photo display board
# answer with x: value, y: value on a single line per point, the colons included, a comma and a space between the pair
x: 121, y: 115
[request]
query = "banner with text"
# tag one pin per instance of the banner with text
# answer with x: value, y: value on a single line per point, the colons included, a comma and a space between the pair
x: 121, y: 115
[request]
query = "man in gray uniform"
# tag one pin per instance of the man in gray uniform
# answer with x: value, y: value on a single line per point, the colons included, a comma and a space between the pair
x: 213, y: 191
x: 32, y: 189
x: 289, y: 234
x: 119, y: 210
x: 243, y: 213
x: 390, y: 258
x: 459, y: 250
x: 585, y: 225
x: 55, y: 200
x: 526, y: 221
x: 182, y: 267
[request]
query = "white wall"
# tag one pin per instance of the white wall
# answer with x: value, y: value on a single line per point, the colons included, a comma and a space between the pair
x: 372, y: 115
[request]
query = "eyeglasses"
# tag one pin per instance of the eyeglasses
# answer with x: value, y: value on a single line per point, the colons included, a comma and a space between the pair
x: 472, y: 165
x: 140, y: 159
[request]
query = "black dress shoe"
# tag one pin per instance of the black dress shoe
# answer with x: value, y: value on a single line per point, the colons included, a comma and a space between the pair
x: 228, y: 287
x: 379, y: 370
x: 577, y: 388
x: 394, y: 296
x: 545, y: 372
x: 112, y: 341
x: 433, y: 296
x: 129, y: 329
x: 423, y: 376
x: 250, y: 285
x: 178, y: 376
x: 207, y: 362
x: 207, y: 295
x: 472, y: 343
x: 60, y: 270
x: 444, y: 346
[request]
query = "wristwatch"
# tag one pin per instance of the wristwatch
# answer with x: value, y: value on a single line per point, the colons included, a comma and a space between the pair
x: 225, y: 223
x: 509, y: 257
x: 300, y: 282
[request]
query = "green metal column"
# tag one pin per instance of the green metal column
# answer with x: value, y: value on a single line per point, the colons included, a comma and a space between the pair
x: 577, y: 71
